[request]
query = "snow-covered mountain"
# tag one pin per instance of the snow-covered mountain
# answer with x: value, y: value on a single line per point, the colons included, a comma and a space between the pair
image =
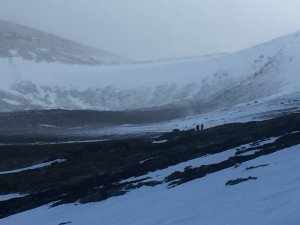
x: 37, y: 46
x: 194, y: 84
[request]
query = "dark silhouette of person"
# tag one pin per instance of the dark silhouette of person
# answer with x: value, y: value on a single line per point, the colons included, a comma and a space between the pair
x: 202, y: 127
x: 197, y: 128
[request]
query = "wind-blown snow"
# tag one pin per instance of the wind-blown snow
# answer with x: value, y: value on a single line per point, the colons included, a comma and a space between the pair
x: 9, y: 101
x: 251, y: 111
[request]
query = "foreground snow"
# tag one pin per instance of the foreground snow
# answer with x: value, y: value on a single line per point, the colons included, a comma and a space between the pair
x: 271, y: 199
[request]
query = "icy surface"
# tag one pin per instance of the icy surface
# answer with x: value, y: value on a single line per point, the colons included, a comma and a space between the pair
x: 160, y: 142
x: 41, y: 165
x: 10, y: 196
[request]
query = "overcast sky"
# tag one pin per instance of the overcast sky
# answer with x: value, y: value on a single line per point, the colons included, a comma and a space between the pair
x: 152, y: 29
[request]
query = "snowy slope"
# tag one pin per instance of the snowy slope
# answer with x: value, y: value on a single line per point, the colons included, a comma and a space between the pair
x: 273, y: 198
x: 196, y: 83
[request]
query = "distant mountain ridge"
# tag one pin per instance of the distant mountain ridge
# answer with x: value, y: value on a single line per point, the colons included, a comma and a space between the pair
x: 31, y: 44
x: 74, y: 81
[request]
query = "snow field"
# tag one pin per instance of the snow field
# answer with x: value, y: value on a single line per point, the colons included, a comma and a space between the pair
x: 271, y: 199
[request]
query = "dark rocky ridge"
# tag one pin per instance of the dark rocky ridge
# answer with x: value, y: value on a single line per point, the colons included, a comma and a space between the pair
x: 64, y: 125
x: 93, y: 171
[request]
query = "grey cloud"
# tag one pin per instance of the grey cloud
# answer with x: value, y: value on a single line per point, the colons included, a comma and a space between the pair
x: 144, y: 29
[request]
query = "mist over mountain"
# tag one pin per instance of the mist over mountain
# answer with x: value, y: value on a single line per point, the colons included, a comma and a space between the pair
x: 42, y: 71
x: 37, y: 46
